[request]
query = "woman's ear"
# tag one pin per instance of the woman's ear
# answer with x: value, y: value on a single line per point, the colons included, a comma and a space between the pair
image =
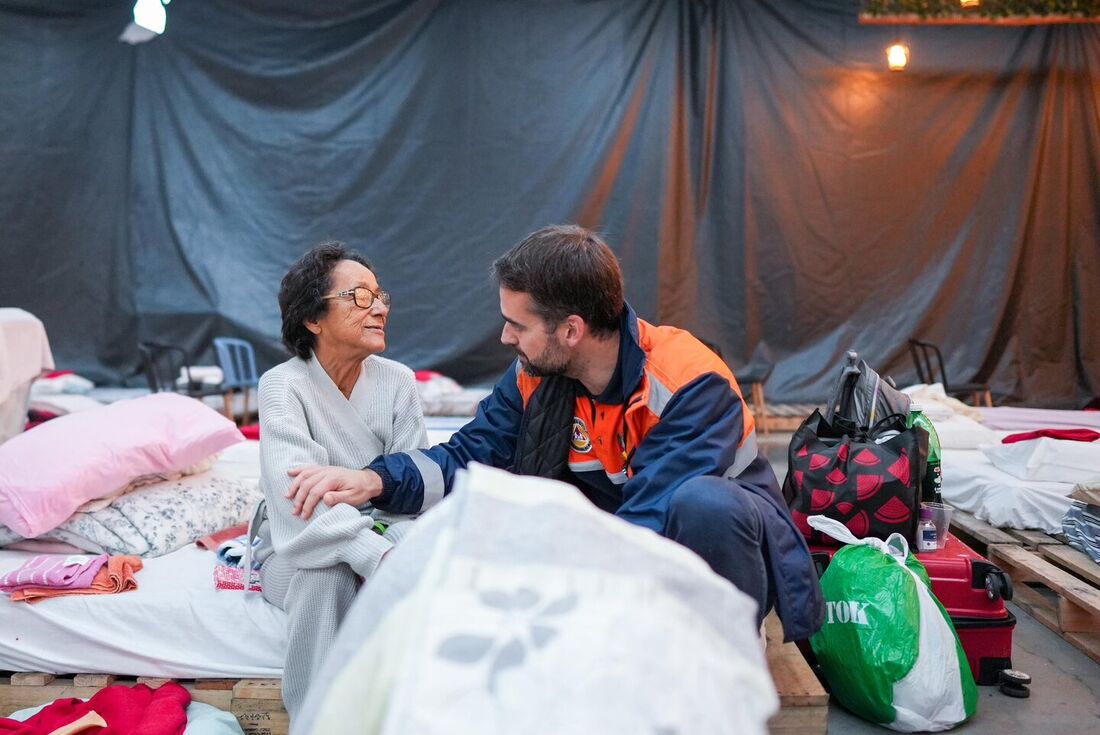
x: 312, y: 326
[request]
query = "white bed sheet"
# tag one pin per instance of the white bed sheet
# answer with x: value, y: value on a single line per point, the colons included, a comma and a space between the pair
x: 463, y: 403
x: 442, y: 428
x: 1013, y: 419
x: 973, y: 484
x: 176, y: 624
x: 240, y: 461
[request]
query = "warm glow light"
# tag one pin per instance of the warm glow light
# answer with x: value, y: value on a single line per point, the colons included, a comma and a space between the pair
x: 149, y: 14
x: 970, y: 3
x: 897, y: 56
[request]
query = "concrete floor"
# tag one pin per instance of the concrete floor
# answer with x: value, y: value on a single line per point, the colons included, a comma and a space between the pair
x: 1065, y: 689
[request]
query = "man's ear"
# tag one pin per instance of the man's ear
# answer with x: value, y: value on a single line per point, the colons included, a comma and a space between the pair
x: 575, y: 330
x: 312, y: 326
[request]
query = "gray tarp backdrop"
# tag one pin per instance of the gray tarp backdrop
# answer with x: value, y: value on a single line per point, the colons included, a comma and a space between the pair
x: 765, y: 181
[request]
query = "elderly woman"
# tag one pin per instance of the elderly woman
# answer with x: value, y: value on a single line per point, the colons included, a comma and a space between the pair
x: 336, y: 402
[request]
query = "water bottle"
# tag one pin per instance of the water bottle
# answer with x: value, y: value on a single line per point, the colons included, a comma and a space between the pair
x: 926, y: 535
x: 932, y: 481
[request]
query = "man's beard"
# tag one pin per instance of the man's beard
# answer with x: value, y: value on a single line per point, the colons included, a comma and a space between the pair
x: 554, y: 360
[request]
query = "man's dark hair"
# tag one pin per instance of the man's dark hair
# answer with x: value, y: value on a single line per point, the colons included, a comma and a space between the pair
x: 302, y: 289
x: 566, y: 270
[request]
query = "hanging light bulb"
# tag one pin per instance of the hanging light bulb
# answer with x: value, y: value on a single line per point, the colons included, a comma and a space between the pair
x: 150, y: 15
x: 970, y: 3
x: 897, y: 56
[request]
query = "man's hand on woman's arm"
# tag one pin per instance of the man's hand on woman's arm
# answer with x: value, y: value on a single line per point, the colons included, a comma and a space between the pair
x: 313, y: 484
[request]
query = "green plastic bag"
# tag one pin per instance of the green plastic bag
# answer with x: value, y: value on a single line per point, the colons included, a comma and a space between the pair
x: 888, y: 648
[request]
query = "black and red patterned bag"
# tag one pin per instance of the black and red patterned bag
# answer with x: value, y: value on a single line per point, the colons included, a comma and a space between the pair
x: 868, y: 479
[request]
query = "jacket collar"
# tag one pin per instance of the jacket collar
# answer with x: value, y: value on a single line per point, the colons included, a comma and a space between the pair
x: 631, y: 365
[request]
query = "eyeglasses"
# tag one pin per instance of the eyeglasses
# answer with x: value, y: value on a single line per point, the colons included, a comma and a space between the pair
x: 364, y: 297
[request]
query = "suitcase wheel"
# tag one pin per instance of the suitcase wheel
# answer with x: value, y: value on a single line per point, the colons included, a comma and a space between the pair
x: 1014, y: 677
x: 1019, y: 691
x: 998, y: 585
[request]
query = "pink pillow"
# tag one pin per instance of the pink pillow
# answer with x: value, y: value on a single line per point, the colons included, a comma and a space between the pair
x: 51, y: 470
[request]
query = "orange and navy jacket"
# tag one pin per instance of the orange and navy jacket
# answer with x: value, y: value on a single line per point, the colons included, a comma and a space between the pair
x: 671, y: 411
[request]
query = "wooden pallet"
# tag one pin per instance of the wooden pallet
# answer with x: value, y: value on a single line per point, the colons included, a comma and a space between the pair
x: 803, y: 702
x: 1073, y: 561
x: 1067, y: 604
x: 979, y: 535
x: 256, y: 703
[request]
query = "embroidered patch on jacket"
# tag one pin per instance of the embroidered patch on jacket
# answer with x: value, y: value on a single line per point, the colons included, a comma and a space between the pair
x: 581, y: 441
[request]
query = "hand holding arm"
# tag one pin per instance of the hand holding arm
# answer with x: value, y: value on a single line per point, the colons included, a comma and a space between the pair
x: 314, y: 484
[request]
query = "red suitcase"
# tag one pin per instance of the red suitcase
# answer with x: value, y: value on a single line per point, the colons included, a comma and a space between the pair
x: 973, y: 591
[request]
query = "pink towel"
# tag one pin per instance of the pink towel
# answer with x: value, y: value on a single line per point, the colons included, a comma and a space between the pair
x: 58, y: 572
x: 117, y: 575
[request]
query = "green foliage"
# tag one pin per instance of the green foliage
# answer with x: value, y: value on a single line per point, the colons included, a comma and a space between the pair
x: 988, y: 8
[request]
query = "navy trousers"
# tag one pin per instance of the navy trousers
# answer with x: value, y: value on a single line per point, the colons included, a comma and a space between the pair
x: 720, y: 521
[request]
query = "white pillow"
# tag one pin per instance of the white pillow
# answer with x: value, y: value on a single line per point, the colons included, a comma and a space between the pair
x: 963, y: 432
x: 1048, y: 460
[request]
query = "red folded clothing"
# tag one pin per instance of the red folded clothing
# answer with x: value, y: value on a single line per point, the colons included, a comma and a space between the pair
x: 1075, y: 435
x: 251, y: 431
x: 127, y: 710
x: 214, y: 540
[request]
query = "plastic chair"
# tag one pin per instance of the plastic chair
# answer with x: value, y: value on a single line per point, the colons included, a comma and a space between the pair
x: 922, y: 354
x: 161, y: 364
x: 238, y: 363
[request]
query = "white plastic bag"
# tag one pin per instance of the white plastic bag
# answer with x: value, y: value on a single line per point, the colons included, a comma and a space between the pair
x: 515, y: 606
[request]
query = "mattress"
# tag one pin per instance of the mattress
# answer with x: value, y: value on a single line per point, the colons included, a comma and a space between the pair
x: 463, y: 403
x: 441, y: 428
x: 973, y: 484
x: 176, y: 624
x: 1010, y: 418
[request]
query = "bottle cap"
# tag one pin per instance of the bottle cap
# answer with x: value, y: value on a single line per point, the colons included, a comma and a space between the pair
x: 914, y: 406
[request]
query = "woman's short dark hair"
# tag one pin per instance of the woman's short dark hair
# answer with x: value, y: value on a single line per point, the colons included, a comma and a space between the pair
x: 302, y: 289
x: 566, y: 270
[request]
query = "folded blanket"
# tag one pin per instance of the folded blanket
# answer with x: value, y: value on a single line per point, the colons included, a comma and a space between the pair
x: 157, y: 519
x: 53, y: 572
x: 117, y: 575
x: 1082, y: 529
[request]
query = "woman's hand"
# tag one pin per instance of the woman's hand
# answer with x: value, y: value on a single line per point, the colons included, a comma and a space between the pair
x: 313, y: 484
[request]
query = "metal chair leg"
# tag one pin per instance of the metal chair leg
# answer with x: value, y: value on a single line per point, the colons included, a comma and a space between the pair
x: 227, y: 397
